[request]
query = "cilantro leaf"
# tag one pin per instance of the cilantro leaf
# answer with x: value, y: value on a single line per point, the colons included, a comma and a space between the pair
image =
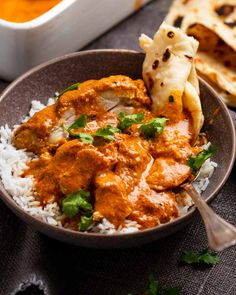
x: 77, y: 202
x: 189, y: 257
x: 153, y: 286
x: 196, y: 162
x: 208, y: 258
x: 107, y: 133
x: 71, y: 87
x: 199, y: 258
x: 86, y: 137
x: 153, y: 127
x: 84, y: 223
x: 128, y: 120
x: 79, y: 123
x: 172, y: 291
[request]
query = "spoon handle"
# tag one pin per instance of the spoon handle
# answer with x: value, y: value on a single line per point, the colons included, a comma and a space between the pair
x: 220, y: 233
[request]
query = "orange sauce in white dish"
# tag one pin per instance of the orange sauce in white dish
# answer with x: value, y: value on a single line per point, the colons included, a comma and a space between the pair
x: 20, y: 11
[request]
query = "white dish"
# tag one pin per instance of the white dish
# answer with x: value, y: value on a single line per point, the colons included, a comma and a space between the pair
x: 67, y: 27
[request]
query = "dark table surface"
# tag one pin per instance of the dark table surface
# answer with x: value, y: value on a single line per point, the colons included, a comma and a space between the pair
x: 29, y: 258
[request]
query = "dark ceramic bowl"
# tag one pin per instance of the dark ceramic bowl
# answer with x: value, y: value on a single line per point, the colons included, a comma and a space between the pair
x: 42, y: 82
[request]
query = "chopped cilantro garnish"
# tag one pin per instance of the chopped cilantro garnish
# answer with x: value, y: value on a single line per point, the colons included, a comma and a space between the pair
x: 84, y: 223
x: 107, y: 133
x: 71, y: 87
x: 196, y: 162
x: 85, y: 137
x: 128, y: 120
x: 79, y: 123
x: 77, y: 202
x: 199, y: 258
x: 153, y: 127
x: 153, y: 286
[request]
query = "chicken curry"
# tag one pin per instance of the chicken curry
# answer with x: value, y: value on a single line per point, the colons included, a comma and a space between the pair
x: 20, y: 11
x: 103, y: 153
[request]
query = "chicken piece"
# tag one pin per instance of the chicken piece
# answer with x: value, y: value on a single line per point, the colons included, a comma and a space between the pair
x: 151, y: 209
x: 76, y: 166
x: 34, y: 134
x: 45, y: 184
x: 110, y: 151
x: 72, y: 168
x: 133, y: 159
x: 111, y: 199
x: 121, y: 90
x: 175, y: 142
x: 94, y: 97
x: 44, y: 131
x: 166, y: 173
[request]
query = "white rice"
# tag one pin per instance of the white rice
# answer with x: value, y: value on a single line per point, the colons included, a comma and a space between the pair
x: 13, y: 161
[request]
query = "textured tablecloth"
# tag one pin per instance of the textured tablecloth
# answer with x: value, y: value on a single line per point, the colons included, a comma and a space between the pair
x: 27, y: 257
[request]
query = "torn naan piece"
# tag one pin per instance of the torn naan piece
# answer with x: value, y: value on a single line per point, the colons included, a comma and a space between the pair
x: 213, y: 24
x: 170, y: 75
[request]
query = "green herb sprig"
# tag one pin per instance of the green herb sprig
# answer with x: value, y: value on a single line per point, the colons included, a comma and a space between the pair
x: 153, y: 127
x: 69, y: 88
x: 199, y: 258
x: 154, y: 288
x: 79, y: 202
x: 79, y: 123
x: 196, y: 162
x: 85, y: 137
x: 84, y: 223
x: 107, y: 133
x: 127, y: 120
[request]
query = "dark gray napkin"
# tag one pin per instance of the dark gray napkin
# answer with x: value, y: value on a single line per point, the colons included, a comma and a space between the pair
x: 29, y: 258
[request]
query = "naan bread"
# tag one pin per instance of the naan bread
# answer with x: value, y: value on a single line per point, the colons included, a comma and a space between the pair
x: 213, y: 24
x: 170, y: 75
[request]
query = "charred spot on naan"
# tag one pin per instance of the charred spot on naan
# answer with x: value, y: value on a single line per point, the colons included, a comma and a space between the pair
x: 178, y: 21
x: 230, y: 24
x: 225, y: 9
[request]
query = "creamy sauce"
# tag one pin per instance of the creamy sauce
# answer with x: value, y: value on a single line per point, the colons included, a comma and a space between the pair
x: 129, y: 177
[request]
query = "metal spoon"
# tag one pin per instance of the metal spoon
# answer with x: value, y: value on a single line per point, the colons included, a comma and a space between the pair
x: 220, y: 234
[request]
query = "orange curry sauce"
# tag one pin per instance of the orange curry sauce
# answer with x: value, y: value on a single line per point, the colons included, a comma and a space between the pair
x: 20, y: 11
x: 130, y: 177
